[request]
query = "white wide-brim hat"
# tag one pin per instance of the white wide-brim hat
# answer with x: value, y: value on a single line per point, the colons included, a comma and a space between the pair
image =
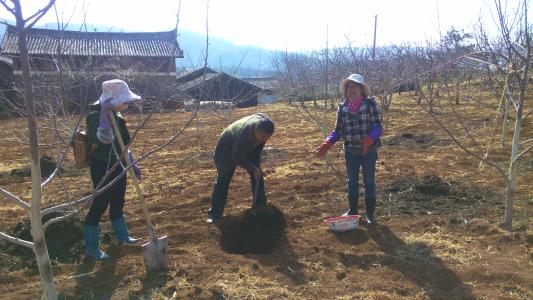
x: 357, y: 79
x: 118, y: 92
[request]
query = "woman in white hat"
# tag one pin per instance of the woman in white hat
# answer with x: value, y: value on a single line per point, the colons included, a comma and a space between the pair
x: 104, y: 152
x: 359, y: 125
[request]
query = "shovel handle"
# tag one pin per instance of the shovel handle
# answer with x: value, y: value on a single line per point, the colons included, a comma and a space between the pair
x: 151, y: 229
x: 256, y: 191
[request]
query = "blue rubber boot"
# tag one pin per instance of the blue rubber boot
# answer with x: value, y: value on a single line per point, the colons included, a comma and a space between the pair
x: 92, y: 243
x: 121, y: 230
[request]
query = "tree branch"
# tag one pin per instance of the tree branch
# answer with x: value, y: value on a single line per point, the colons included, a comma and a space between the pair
x: 38, y: 15
x: 14, y: 199
x: 490, y: 163
x: 62, y: 218
x: 526, y: 141
x: 463, y: 125
x: 9, y: 9
x: 517, y: 158
x: 15, y: 240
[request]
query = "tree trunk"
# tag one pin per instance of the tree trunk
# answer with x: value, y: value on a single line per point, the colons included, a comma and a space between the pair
x: 388, y: 101
x: 505, y: 120
x: 430, y: 102
x: 457, y: 85
x: 37, y: 231
x: 512, y: 168
x: 325, y: 128
x: 418, y: 92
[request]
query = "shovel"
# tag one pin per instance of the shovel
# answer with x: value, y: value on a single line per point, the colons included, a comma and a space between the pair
x: 254, y: 199
x: 155, y: 251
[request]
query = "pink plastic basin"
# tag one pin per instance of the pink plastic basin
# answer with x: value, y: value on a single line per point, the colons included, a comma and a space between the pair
x: 343, y: 223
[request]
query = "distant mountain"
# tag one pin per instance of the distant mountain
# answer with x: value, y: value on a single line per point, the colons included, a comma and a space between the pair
x: 223, y: 55
x: 243, y: 61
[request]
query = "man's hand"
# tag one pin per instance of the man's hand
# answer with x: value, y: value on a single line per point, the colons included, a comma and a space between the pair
x: 323, y: 149
x: 257, y: 173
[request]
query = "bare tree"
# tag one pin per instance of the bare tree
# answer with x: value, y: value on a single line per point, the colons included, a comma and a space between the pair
x: 69, y: 207
x: 34, y: 210
x: 507, y: 60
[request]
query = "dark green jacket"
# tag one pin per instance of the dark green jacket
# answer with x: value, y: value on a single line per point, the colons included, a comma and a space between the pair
x: 103, y: 152
x: 237, y: 142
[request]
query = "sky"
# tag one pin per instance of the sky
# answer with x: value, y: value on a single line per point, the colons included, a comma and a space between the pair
x: 293, y: 25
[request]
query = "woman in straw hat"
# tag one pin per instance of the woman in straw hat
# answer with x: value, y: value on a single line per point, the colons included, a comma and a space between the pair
x: 104, y: 153
x: 359, y: 125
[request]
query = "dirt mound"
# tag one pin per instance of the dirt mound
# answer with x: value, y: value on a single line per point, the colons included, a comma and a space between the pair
x: 432, y: 193
x: 255, y: 233
x: 417, y: 141
x: 64, y: 241
x: 430, y: 185
x: 48, y: 166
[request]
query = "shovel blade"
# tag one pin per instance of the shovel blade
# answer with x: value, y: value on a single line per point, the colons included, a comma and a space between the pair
x: 155, y: 255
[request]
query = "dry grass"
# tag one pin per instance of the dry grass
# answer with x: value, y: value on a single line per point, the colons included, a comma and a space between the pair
x: 411, y: 255
x: 437, y: 243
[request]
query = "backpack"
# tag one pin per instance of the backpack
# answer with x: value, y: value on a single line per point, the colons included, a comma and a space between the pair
x: 80, y: 143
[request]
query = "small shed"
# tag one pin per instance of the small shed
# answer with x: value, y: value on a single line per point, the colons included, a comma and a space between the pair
x: 268, y: 85
x: 209, y: 86
x: 189, y: 75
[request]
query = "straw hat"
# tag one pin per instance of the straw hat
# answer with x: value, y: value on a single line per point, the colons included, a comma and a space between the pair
x: 118, y: 92
x: 357, y: 79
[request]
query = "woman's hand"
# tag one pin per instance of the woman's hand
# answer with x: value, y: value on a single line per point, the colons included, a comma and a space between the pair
x: 137, y: 172
x: 136, y: 169
x: 366, y: 143
x: 323, y: 149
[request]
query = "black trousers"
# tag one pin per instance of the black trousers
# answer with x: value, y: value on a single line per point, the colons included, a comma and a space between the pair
x: 225, y: 170
x: 113, y: 197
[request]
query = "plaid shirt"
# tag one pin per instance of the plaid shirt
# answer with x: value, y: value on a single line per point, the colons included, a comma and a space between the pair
x: 354, y: 127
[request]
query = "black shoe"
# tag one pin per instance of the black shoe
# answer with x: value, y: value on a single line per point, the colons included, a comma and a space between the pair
x: 370, y: 204
x: 349, y: 213
x: 211, y: 219
x: 354, y: 203
x: 370, y: 220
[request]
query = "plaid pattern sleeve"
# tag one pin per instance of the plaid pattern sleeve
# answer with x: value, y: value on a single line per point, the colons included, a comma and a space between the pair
x: 339, y: 124
x: 375, y: 113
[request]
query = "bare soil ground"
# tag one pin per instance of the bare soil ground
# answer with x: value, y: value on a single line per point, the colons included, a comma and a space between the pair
x: 439, y: 234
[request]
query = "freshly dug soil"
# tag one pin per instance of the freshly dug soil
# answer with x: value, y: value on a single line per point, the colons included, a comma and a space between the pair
x: 48, y: 167
x: 64, y: 241
x: 249, y: 233
x: 413, y: 195
x: 430, y: 185
x: 415, y: 141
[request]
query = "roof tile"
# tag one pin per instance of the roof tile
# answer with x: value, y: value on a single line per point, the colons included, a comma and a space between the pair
x: 48, y: 41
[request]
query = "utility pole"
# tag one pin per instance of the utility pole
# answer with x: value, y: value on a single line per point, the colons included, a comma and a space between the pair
x: 326, y: 75
x: 374, y: 46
